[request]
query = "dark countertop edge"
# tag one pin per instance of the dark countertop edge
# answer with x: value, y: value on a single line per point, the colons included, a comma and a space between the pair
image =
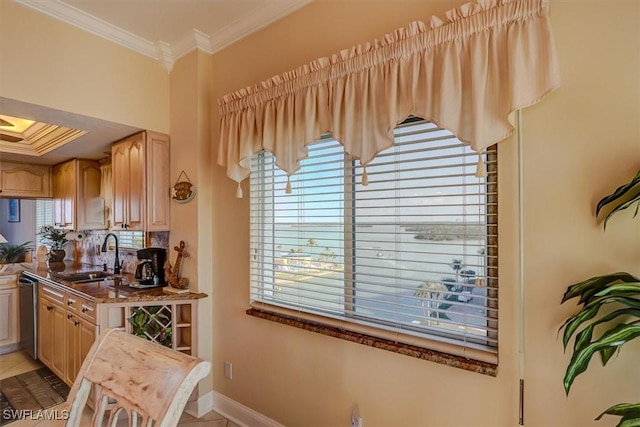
x: 136, y: 296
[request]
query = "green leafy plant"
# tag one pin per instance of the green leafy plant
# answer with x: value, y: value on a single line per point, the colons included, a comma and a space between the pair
x: 624, y: 197
x: 53, y: 237
x: 616, y: 327
x: 13, y: 253
x: 152, y: 323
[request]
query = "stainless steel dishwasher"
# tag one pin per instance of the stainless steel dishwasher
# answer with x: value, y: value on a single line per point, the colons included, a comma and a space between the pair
x: 28, y: 289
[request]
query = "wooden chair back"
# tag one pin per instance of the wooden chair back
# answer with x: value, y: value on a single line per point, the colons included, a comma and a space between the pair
x: 151, y: 383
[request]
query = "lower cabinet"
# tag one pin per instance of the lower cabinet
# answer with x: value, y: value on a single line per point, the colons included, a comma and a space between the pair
x: 52, y: 336
x: 8, y: 319
x: 68, y: 325
x: 64, y: 336
x: 80, y: 336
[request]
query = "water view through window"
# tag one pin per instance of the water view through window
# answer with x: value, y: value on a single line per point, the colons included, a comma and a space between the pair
x: 409, y: 251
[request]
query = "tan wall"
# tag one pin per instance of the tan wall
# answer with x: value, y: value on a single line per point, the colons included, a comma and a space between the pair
x: 191, y: 153
x: 52, y: 64
x: 579, y: 144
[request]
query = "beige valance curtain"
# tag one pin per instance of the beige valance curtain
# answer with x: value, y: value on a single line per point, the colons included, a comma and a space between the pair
x: 468, y: 73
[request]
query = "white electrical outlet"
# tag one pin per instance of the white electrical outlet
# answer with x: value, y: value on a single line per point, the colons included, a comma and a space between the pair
x: 228, y: 370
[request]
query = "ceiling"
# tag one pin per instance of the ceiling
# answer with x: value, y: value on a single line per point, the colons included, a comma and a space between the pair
x: 81, y: 136
x: 161, y: 29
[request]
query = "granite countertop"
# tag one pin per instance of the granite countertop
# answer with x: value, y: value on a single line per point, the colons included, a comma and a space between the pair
x: 113, y: 289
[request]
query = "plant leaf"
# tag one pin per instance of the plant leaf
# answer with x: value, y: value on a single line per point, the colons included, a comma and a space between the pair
x: 615, y: 337
x: 622, y: 288
x: 630, y: 413
x: 586, y: 334
x: 583, y: 339
x: 573, y: 323
x: 629, y: 422
x: 622, y: 206
x: 587, y: 288
x: 590, y: 310
x: 607, y: 353
x: 618, y: 193
x: 622, y: 409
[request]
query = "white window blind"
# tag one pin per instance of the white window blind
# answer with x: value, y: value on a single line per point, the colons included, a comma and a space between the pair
x: 44, y: 216
x: 130, y: 239
x: 413, y: 253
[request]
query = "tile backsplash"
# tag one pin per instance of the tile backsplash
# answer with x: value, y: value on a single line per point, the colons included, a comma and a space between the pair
x: 87, y: 250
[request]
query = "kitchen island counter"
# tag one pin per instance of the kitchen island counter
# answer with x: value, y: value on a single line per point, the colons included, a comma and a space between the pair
x: 71, y: 314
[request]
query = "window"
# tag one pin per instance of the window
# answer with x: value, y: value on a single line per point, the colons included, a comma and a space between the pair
x: 131, y: 239
x: 44, y: 216
x: 411, y: 257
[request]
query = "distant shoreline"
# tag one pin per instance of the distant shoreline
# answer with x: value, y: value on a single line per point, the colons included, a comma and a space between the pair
x: 440, y: 232
x: 431, y: 231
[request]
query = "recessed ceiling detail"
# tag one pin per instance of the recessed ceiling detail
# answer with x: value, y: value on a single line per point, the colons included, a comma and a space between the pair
x: 14, y: 124
x: 29, y: 138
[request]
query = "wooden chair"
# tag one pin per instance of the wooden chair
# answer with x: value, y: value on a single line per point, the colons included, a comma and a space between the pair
x: 151, y: 383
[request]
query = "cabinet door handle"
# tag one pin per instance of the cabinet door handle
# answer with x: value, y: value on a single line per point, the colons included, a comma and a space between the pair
x: 69, y: 316
x: 70, y: 302
x: 76, y: 323
x: 85, y: 309
x: 49, y: 307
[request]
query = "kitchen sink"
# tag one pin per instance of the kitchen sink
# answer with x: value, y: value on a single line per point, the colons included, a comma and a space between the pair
x: 85, y: 276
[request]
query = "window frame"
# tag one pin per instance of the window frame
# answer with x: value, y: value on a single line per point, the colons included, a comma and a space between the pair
x: 434, y: 348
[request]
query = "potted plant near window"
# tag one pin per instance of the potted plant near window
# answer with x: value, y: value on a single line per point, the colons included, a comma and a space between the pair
x: 54, y: 238
x: 610, y: 304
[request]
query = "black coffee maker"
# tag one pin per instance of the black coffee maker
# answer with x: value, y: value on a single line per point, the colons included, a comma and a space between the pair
x: 150, y: 270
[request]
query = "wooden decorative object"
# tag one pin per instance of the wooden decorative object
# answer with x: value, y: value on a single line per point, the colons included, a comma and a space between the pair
x: 183, y: 191
x: 172, y: 273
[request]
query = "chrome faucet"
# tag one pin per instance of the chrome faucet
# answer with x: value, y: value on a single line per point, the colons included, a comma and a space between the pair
x: 116, y: 265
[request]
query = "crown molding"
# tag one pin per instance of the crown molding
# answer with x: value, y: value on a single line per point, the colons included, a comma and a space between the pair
x: 160, y: 50
x: 260, y: 18
x: 193, y: 40
x: 76, y: 17
x: 165, y: 55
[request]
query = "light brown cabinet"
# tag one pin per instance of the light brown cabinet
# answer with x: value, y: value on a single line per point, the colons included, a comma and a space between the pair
x: 69, y: 323
x: 9, y: 327
x: 77, y: 204
x: 80, y: 336
x: 20, y: 180
x: 52, y: 335
x: 140, y: 171
x: 66, y: 331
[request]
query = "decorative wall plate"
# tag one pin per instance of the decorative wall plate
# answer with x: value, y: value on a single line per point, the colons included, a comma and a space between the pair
x: 183, y: 191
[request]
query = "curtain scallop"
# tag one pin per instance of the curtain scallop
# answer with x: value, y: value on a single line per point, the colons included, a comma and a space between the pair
x: 468, y: 74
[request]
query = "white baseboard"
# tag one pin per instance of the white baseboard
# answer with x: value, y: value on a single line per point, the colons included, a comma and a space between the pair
x: 200, y: 406
x: 230, y: 409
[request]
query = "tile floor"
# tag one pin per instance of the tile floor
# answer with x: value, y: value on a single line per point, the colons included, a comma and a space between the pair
x: 12, y: 364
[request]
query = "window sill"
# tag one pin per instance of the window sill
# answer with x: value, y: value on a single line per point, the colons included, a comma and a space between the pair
x: 479, y: 367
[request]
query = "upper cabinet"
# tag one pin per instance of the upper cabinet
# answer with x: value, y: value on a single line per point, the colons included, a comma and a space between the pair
x: 19, y: 180
x: 140, y: 169
x: 77, y: 203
